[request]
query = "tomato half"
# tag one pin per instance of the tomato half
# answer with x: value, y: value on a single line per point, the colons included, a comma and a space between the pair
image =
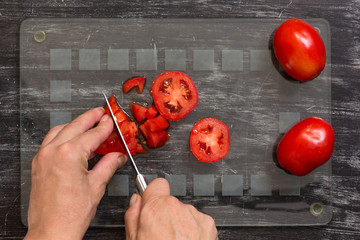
x: 299, y: 49
x: 306, y: 146
x: 210, y: 140
x: 175, y: 95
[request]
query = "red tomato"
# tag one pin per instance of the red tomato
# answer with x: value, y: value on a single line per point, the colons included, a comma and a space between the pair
x: 299, y: 49
x: 157, y: 124
x: 151, y: 112
x: 210, y: 140
x: 157, y: 139
x: 306, y: 146
x: 175, y: 95
x: 138, y: 82
x: 127, y: 128
x: 139, y: 112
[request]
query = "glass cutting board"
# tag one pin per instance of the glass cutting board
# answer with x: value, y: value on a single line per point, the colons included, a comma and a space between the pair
x: 65, y: 64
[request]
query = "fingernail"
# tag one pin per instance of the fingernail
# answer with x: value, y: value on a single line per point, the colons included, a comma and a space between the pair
x: 104, y: 118
x: 133, y: 199
x: 122, y: 159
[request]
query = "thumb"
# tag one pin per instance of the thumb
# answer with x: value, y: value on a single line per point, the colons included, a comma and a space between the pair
x: 102, y: 172
x: 132, y: 217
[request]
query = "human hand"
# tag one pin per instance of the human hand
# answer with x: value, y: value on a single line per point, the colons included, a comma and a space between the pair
x: 160, y: 216
x: 64, y: 193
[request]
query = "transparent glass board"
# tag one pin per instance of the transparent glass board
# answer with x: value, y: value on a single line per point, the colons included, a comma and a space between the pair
x: 67, y: 63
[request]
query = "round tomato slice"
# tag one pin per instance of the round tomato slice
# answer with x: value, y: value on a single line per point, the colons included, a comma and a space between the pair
x: 210, y: 140
x: 175, y: 95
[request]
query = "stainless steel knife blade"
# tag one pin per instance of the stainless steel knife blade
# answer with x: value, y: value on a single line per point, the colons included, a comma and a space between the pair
x: 140, y: 179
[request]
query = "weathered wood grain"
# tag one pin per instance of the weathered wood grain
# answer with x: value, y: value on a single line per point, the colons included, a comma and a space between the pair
x: 344, y: 18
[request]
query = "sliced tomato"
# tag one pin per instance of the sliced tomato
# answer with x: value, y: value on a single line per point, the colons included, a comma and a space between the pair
x: 139, y: 112
x: 157, y: 124
x: 157, y: 139
x: 210, y: 140
x: 144, y: 130
x: 138, y: 82
x: 175, y: 95
x: 151, y: 112
x: 111, y: 144
x: 128, y: 130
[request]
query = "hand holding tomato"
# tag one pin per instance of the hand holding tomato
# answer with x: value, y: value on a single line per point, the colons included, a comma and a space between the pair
x: 299, y: 49
x: 306, y: 146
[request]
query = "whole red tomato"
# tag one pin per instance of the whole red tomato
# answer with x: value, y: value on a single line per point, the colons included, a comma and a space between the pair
x: 306, y: 146
x: 299, y: 49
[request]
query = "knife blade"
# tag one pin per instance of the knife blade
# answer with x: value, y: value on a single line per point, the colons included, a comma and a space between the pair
x: 141, y: 182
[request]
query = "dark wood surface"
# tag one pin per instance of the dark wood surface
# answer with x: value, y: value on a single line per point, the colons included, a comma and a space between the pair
x: 344, y: 19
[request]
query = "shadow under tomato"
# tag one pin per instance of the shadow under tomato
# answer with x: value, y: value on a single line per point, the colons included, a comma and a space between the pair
x: 274, y: 154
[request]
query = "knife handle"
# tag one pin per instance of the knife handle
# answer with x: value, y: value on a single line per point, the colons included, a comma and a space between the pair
x: 141, y: 183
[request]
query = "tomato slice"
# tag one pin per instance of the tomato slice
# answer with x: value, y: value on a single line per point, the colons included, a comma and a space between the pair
x: 138, y: 82
x: 139, y: 112
x: 151, y: 112
x: 210, y: 140
x: 175, y: 95
x: 157, y: 139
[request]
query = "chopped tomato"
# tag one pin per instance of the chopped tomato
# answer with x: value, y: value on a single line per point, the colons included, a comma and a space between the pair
x: 128, y: 130
x: 210, y: 140
x: 157, y: 124
x: 139, y: 112
x: 157, y: 139
x: 138, y: 82
x: 151, y: 112
x: 144, y: 130
x: 175, y: 95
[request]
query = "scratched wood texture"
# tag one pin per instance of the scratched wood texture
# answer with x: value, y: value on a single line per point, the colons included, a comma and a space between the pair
x: 344, y: 20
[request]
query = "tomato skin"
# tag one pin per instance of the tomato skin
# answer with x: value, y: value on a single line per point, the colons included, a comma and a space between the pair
x: 299, y: 49
x: 306, y: 146
x: 175, y: 95
x: 210, y: 140
x: 138, y: 82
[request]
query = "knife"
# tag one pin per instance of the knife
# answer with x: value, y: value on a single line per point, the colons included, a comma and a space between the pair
x: 140, y: 179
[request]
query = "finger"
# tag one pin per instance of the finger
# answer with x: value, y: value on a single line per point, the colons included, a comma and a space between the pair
x: 52, y: 134
x: 102, y: 172
x: 89, y: 141
x: 132, y: 217
x: 157, y: 188
x: 79, y: 125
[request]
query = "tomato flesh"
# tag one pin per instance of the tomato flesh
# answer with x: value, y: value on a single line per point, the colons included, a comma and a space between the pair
x: 210, y: 140
x: 138, y: 82
x: 306, y: 146
x: 151, y: 112
x: 157, y: 139
x: 175, y: 95
x: 139, y: 112
x: 299, y: 49
x: 128, y: 129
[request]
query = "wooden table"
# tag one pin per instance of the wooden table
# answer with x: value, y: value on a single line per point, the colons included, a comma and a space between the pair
x: 344, y: 19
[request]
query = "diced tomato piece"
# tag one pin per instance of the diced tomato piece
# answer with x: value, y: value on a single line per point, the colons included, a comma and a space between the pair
x: 138, y: 82
x: 140, y: 149
x: 111, y: 144
x: 139, y: 112
x: 144, y: 130
x: 128, y: 130
x: 157, y: 139
x: 151, y: 112
x: 157, y: 124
